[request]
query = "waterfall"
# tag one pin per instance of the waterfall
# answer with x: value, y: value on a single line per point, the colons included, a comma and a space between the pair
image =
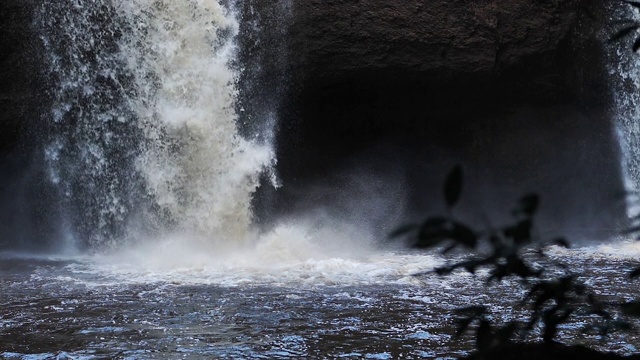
x: 624, y: 69
x: 143, y: 134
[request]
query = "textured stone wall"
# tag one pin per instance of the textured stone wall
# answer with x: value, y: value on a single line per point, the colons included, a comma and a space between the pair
x: 20, y: 84
x: 364, y: 69
x: 438, y: 40
x: 388, y: 95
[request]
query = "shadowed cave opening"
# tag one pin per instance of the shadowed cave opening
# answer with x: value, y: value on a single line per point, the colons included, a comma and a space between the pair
x: 373, y: 150
x: 379, y: 107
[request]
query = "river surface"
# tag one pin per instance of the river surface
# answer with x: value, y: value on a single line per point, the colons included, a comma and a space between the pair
x: 253, y: 304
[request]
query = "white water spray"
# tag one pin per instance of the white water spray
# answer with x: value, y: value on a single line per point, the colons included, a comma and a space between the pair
x: 624, y: 69
x: 196, y: 166
x: 145, y: 122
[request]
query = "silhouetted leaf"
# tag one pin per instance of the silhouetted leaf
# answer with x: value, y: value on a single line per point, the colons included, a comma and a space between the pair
x: 631, y: 308
x: 622, y: 325
x: 484, y: 335
x: 636, y: 45
x: 403, y: 230
x: 464, y: 235
x: 463, y: 325
x: 528, y: 205
x: 520, y: 233
x: 473, y: 311
x: 562, y: 242
x: 540, y: 252
x: 551, y: 319
x: 449, y: 248
x: 556, y: 290
x: 635, y: 273
x: 504, y: 334
x: 596, y: 308
x: 599, y: 311
x: 472, y: 265
x: 623, y: 32
x: 443, y: 270
x: 453, y: 186
x: 435, y: 230
x: 605, y: 328
x: 513, y: 266
x: 470, y: 314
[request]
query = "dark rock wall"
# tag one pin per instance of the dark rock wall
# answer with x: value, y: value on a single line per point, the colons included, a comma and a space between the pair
x: 398, y: 92
x: 19, y: 60
x: 446, y: 57
x: 476, y: 42
x: 25, y: 201
x: 263, y: 61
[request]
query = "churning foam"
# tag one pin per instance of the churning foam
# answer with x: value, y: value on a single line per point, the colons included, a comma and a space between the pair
x: 288, y: 255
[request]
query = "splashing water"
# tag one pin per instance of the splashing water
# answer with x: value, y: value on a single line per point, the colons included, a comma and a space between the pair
x: 624, y: 70
x: 144, y: 124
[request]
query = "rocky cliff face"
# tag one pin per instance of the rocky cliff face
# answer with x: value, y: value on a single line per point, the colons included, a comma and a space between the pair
x: 512, y: 89
x: 24, y: 197
x: 388, y: 66
x: 18, y: 70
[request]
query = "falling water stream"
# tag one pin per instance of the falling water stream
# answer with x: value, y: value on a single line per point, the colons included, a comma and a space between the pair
x: 145, y: 137
x: 159, y: 258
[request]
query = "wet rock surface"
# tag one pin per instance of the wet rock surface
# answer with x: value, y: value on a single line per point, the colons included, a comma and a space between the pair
x: 489, y: 42
x: 363, y: 70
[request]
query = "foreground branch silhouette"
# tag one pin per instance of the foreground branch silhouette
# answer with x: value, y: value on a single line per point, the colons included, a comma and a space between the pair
x: 553, y: 293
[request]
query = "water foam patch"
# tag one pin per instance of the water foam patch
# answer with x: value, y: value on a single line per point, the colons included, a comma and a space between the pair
x: 288, y: 255
x: 620, y: 249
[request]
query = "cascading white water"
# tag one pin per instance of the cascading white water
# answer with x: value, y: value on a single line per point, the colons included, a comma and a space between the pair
x: 624, y: 70
x: 144, y: 122
x: 195, y: 164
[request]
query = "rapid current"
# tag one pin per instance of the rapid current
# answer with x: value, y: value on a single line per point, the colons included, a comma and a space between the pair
x: 157, y: 255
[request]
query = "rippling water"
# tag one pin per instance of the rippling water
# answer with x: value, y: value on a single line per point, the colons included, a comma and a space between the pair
x: 250, y: 303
